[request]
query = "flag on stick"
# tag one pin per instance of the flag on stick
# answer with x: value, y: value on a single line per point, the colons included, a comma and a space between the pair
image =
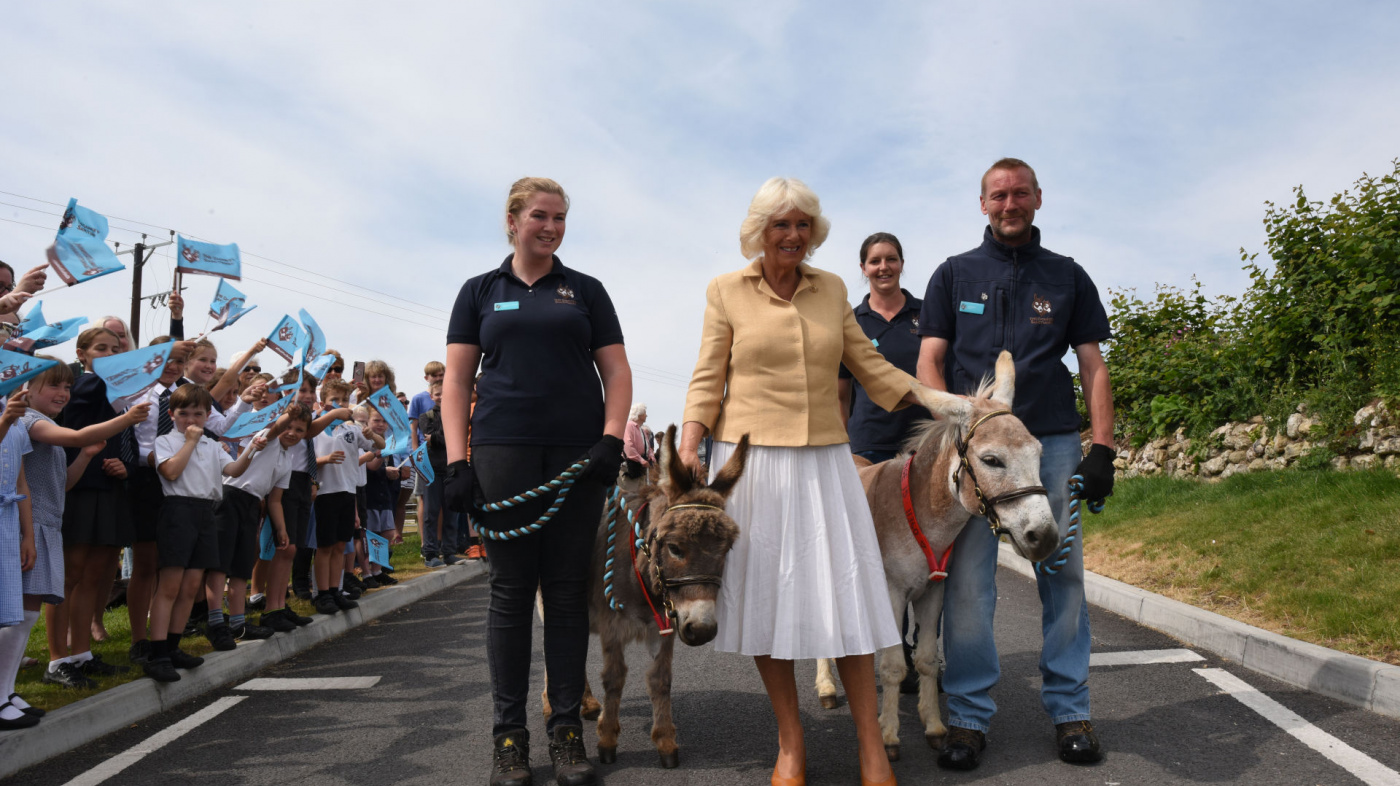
x: 420, y: 462
x: 320, y: 365
x: 207, y: 259
x: 227, y: 307
x: 132, y: 373
x: 17, y: 368
x: 33, y: 333
x: 285, y: 339
x: 396, y: 416
x: 253, y: 422
x: 79, y: 252
x: 378, y: 548
x: 317, y: 345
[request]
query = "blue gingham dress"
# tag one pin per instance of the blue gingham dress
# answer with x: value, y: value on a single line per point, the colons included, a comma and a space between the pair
x: 12, y: 452
x: 46, y: 474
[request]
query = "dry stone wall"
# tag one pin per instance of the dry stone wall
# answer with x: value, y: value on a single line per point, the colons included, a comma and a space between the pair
x: 1254, y: 447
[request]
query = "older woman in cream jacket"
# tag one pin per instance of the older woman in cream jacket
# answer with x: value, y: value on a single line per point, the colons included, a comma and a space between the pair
x: 804, y: 579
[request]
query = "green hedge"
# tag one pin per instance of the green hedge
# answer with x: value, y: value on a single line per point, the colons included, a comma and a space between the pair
x: 1320, y: 326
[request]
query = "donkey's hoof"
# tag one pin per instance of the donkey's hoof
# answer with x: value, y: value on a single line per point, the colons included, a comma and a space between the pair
x: 607, y: 755
x: 672, y: 760
x: 892, y: 752
x: 830, y: 702
x: 935, y: 741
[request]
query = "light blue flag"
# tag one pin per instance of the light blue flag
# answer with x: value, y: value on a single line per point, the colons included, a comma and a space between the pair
x: 420, y: 462
x: 132, y: 373
x: 207, y: 259
x: 267, y: 541
x: 33, y: 333
x: 317, y: 345
x: 378, y: 548
x: 253, y: 422
x: 290, y: 387
x: 79, y: 252
x: 320, y: 365
x: 396, y: 416
x: 227, y: 307
x: 17, y: 368
x: 285, y: 339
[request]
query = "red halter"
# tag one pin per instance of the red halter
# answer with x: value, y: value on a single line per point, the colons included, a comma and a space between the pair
x: 937, y: 567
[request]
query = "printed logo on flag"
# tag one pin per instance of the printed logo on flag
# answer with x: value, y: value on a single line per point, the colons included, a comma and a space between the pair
x: 420, y: 462
x: 227, y: 306
x: 396, y: 416
x: 207, y: 259
x: 253, y: 422
x: 317, y: 344
x: 17, y: 368
x: 33, y: 333
x: 79, y: 252
x: 132, y: 373
x: 285, y: 339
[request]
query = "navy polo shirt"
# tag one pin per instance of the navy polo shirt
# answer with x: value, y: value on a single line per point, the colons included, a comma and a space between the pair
x: 1025, y: 299
x: 538, y: 383
x: 871, y: 427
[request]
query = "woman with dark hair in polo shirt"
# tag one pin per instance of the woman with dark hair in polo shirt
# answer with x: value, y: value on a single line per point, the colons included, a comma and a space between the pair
x: 545, y: 337
x: 889, y: 316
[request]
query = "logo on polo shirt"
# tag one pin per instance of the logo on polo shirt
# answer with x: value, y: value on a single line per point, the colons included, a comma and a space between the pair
x: 566, y: 295
x: 1042, y: 307
x: 915, y: 322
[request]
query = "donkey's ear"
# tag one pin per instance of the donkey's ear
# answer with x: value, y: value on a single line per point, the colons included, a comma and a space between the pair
x: 943, y: 406
x: 733, y: 469
x: 1005, y: 388
x: 682, y: 480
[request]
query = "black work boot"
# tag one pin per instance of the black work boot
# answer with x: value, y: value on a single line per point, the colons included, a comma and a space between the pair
x: 1078, y: 743
x: 962, y: 749
x: 571, y: 767
x: 510, y: 763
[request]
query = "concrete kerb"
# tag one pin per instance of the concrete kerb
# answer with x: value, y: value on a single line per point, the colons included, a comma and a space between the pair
x: 84, y: 721
x: 1358, y: 681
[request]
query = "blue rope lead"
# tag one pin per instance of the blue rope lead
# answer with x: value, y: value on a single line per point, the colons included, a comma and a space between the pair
x: 617, y: 508
x: 1076, y: 488
x: 560, y: 485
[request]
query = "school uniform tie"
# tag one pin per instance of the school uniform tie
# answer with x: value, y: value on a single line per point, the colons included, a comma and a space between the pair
x: 164, y: 425
x: 311, y: 460
x: 126, y: 443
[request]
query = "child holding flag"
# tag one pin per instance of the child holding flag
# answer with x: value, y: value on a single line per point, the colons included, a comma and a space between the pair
x: 381, y: 492
x: 192, y: 468
x: 335, y: 501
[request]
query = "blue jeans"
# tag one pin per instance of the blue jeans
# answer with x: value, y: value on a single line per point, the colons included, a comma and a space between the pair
x: 969, y: 606
x: 429, y: 505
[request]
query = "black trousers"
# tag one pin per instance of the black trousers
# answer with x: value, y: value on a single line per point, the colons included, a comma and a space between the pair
x: 556, y: 561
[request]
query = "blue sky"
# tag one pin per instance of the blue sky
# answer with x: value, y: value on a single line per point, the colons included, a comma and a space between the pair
x: 374, y: 143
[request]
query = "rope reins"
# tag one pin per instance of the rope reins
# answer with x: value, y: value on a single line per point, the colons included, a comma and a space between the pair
x: 1076, y: 491
x: 561, y: 485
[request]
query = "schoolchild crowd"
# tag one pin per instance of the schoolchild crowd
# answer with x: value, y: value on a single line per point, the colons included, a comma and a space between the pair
x: 207, y: 519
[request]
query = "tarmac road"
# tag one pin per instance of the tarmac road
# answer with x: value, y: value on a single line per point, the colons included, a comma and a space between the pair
x: 427, y: 719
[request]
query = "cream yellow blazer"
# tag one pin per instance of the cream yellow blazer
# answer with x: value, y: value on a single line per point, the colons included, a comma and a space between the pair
x: 768, y: 367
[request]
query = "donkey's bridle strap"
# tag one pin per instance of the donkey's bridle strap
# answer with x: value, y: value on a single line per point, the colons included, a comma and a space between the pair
x: 937, y: 567
x: 986, y: 505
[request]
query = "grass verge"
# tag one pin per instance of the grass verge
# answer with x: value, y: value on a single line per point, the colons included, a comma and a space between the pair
x: 30, y: 683
x: 1311, y: 555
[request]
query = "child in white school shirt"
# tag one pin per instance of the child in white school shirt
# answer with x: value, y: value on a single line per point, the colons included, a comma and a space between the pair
x: 192, y: 468
x: 338, y: 452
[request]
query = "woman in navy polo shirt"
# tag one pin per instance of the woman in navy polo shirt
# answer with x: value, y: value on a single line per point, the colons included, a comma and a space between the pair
x: 555, y: 387
x: 889, y: 315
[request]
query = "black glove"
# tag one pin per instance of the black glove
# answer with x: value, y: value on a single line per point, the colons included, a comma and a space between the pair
x: 459, y: 487
x: 604, y: 460
x: 1097, y: 471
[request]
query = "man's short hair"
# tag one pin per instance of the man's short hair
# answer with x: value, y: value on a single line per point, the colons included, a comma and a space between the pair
x: 434, y: 367
x: 1009, y: 164
x: 191, y: 397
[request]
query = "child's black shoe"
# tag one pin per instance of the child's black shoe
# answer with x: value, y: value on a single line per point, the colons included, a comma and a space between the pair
x: 68, y: 676
x: 97, y: 667
x: 325, y: 604
x: 385, y: 580
x: 160, y: 670
x: 342, y: 602
x: 183, y: 660
x: 222, y: 638
x: 277, y: 621
x: 139, y: 653
x: 250, y: 632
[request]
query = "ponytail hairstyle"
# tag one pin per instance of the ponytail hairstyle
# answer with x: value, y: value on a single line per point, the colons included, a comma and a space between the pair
x: 520, y: 193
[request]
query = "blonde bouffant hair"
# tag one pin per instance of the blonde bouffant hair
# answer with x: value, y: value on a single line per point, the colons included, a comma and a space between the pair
x: 520, y: 193
x: 774, y: 198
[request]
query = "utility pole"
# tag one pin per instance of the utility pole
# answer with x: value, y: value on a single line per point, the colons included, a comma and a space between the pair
x: 140, y: 253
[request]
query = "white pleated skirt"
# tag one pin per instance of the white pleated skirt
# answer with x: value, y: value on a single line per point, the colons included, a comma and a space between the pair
x: 804, y: 579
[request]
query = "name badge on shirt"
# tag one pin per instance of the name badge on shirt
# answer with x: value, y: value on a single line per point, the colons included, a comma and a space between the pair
x: 508, y: 305
x: 964, y: 306
x: 875, y: 341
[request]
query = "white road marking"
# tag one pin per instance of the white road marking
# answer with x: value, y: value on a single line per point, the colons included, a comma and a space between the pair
x: 309, y: 683
x: 123, y: 760
x: 1142, y: 657
x: 1343, y: 755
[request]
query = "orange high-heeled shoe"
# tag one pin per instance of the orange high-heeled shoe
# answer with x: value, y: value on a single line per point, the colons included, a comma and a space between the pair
x: 779, y: 780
